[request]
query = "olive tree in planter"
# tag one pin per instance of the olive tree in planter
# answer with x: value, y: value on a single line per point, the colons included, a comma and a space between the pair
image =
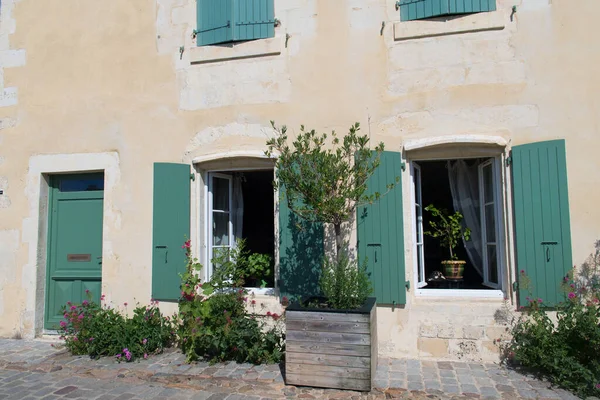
x: 330, y: 341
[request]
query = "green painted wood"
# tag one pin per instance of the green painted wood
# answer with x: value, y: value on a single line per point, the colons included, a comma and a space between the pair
x: 541, y: 218
x: 300, y: 253
x: 74, y: 228
x: 254, y: 19
x: 421, y: 9
x: 170, y: 228
x: 381, y: 233
x: 214, y: 21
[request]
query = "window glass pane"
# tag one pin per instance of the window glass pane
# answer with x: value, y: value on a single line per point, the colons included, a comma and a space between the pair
x: 220, y: 229
x: 490, y: 223
x: 419, y: 226
x: 417, y: 186
x: 488, y: 184
x: 220, y: 191
x: 492, y: 263
x: 81, y: 185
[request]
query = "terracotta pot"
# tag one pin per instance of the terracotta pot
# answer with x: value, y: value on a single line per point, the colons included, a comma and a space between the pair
x: 453, y: 269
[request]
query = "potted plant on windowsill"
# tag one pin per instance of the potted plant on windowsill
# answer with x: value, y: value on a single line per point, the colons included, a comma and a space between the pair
x: 449, y: 229
x: 331, y: 341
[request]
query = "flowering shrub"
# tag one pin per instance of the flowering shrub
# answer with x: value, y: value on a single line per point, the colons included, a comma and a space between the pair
x: 100, y: 331
x: 566, y: 351
x: 215, y: 325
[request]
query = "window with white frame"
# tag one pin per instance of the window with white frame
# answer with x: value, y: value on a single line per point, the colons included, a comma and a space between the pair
x: 471, y: 187
x: 240, y: 206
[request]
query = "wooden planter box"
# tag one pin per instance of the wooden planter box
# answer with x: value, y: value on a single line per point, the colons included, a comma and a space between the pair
x: 331, y: 348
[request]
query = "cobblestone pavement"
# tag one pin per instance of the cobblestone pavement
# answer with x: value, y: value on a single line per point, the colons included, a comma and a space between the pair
x: 33, y: 370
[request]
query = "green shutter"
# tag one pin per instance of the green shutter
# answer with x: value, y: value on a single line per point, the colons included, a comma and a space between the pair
x: 381, y: 232
x: 170, y: 227
x: 222, y: 21
x: 541, y: 217
x: 214, y: 19
x: 300, y: 253
x: 421, y: 9
x: 254, y: 19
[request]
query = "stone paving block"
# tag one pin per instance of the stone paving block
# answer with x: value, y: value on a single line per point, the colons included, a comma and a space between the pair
x: 414, y: 385
x: 447, y: 373
x: 65, y: 390
x: 450, y: 389
x: 413, y: 364
x: 445, y: 365
x: 201, y: 395
x: 467, y: 388
x: 432, y: 384
x: 449, y: 381
x: 397, y: 383
x: 548, y: 394
x: 487, y: 391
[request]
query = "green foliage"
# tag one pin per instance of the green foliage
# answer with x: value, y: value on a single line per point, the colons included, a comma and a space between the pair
x: 235, y: 267
x: 567, y: 350
x: 214, y: 323
x: 345, y: 284
x: 448, y: 228
x: 98, y: 331
x: 324, y: 177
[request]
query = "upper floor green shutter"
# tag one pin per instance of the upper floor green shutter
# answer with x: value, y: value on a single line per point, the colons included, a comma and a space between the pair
x: 300, y: 253
x: 170, y: 227
x: 381, y: 232
x: 421, y: 9
x: 254, y: 19
x: 221, y: 21
x: 214, y: 19
x: 541, y: 218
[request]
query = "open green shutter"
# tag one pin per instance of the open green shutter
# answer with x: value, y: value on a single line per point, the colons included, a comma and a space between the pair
x: 170, y: 227
x: 253, y: 19
x: 300, y: 253
x: 421, y: 9
x: 541, y: 217
x: 214, y: 21
x: 381, y: 232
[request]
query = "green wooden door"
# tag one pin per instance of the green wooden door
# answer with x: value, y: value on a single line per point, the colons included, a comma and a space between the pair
x: 74, y: 257
x: 381, y: 232
x: 541, y: 217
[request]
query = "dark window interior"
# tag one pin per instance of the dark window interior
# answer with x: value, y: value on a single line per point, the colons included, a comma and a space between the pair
x: 435, y: 189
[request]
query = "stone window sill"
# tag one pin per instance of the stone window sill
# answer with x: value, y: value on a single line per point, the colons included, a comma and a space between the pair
x: 449, y: 25
x: 234, y: 51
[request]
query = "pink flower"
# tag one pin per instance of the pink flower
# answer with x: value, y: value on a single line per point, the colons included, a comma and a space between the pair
x: 269, y: 313
x: 275, y: 316
x: 125, y: 304
x: 253, y: 302
x: 85, y: 303
x: 73, y: 308
x: 63, y: 324
x: 145, y: 356
x: 144, y: 341
x: 80, y: 317
x: 74, y: 338
x: 522, y: 272
x: 118, y: 356
x: 572, y: 285
x: 87, y: 290
x: 539, y: 300
x: 571, y: 295
x: 598, y: 386
x: 91, y: 339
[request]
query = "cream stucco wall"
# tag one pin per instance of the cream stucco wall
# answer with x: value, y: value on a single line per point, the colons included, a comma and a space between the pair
x: 109, y: 78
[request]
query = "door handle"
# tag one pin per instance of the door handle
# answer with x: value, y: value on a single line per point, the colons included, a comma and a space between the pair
x: 547, y: 254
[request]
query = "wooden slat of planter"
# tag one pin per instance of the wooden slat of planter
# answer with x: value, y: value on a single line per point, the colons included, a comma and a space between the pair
x: 328, y: 370
x: 327, y: 359
x: 327, y: 348
x: 327, y: 326
x: 329, y: 317
x: 329, y: 337
x: 328, y: 382
x: 374, y: 349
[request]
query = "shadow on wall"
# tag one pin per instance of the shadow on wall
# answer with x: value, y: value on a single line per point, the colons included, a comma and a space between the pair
x: 301, y: 254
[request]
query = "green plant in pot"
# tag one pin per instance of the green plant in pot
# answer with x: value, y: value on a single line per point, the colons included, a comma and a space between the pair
x: 449, y: 230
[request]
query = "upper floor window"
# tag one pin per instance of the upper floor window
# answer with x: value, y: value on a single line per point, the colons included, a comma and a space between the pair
x: 222, y: 21
x: 422, y: 9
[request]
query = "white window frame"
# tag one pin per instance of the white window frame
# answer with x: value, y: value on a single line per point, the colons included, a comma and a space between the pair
x: 418, y: 248
x: 209, y: 219
x: 484, y: 240
x: 207, y: 253
x: 463, y: 293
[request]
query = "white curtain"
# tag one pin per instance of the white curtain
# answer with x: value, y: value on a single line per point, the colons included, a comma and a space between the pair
x: 464, y: 185
x: 238, y: 208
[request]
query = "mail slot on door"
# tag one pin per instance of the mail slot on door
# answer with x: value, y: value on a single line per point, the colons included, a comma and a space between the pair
x: 79, y: 257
